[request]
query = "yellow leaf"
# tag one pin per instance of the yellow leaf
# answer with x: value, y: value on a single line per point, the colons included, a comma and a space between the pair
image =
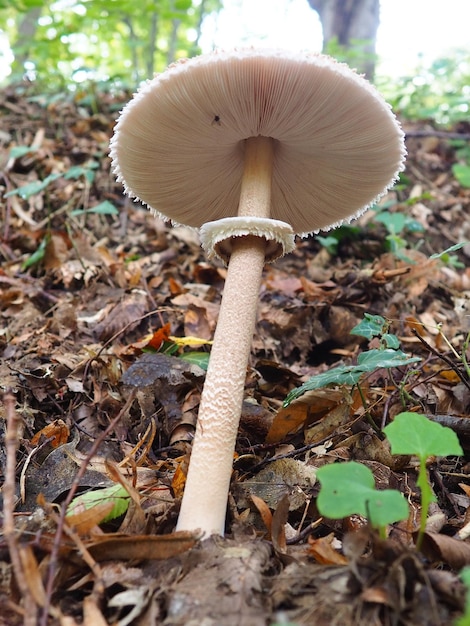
x: 190, y: 341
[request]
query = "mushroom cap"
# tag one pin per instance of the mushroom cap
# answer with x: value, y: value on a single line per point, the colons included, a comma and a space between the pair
x: 179, y: 143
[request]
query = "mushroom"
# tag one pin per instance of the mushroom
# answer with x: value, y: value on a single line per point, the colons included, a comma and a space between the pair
x: 252, y: 147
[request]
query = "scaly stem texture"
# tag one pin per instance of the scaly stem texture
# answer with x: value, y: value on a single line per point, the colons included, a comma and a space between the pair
x: 205, y: 496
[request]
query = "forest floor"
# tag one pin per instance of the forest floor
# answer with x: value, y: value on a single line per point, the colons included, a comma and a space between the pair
x: 90, y: 282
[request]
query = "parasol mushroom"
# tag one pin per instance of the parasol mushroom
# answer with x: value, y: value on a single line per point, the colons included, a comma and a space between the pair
x: 252, y: 147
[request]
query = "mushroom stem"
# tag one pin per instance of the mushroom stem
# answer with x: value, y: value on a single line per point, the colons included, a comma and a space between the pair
x: 204, y: 501
x: 255, y: 193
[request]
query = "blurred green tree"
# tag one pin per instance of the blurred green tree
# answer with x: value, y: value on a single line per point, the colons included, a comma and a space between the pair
x: 58, y: 42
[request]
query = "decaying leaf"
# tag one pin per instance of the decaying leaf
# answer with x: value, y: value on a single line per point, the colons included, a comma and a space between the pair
x: 453, y: 552
x: 282, y: 477
x: 138, y: 547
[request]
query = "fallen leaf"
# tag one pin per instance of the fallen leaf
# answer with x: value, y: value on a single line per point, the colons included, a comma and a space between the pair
x: 323, y: 552
x: 452, y: 552
x: 265, y: 513
x: 137, y: 547
x: 57, y: 433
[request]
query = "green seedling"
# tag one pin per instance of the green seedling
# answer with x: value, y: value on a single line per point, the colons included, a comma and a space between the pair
x: 103, y: 208
x: 464, y: 620
x: 450, y: 259
x: 331, y: 241
x: 37, y: 256
x: 461, y: 171
x: 115, y: 494
x: 349, y: 488
x: 201, y: 359
x: 411, y: 433
x: 26, y: 191
x: 387, y: 356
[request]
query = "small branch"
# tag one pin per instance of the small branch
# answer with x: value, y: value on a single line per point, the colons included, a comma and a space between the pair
x: 440, y: 134
x: 73, y: 488
x: 443, y: 357
x: 9, y: 531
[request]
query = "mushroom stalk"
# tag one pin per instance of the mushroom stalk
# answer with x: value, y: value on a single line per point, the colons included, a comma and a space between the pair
x: 205, y: 496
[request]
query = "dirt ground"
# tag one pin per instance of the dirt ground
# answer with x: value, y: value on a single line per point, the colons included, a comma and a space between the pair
x: 98, y: 300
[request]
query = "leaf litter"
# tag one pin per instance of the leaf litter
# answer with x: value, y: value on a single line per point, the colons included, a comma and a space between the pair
x: 91, y: 285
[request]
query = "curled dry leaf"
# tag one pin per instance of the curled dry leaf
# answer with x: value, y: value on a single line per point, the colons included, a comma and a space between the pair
x: 138, y: 547
x: 282, y: 477
x: 452, y: 552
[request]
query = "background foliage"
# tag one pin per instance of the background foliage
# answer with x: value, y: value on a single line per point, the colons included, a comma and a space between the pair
x: 120, y: 42
x: 113, y: 44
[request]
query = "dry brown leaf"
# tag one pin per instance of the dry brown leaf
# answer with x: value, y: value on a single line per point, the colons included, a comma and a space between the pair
x: 288, y: 421
x: 278, y: 526
x: 179, y: 478
x: 84, y: 521
x: 311, y: 407
x: 138, y: 547
x: 334, y: 420
x: 57, y: 432
x: 323, y: 551
x: 265, y: 513
x: 282, y: 476
x: 32, y: 574
x: 57, y: 251
x: 92, y: 615
x: 465, y: 488
x: 451, y: 551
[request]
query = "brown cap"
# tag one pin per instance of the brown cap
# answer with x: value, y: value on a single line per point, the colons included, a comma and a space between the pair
x: 179, y: 144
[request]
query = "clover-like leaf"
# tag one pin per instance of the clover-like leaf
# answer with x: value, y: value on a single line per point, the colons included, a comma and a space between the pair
x: 349, y: 488
x: 412, y: 433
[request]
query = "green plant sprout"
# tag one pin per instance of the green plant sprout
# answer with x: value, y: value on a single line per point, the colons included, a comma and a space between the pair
x: 461, y: 169
x: 464, y: 620
x: 331, y: 241
x: 30, y: 189
x: 412, y: 433
x: 116, y: 494
x: 349, y: 488
x: 103, y: 208
x: 387, y: 356
x: 450, y: 259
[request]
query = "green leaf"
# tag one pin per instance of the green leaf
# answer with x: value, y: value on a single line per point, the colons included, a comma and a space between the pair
x: 371, y: 326
x: 350, y: 374
x: 197, y: 358
x: 330, y: 243
x: 393, y: 222
x: 26, y: 191
x: 78, y: 170
x: 115, y: 494
x: 412, y: 433
x: 453, y: 248
x: 37, y: 255
x: 391, y: 341
x: 462, y: 174
x: 464, y: 620
x: 349, y: 488
x: 387, y: 358
x: 103, y: 208
x: 342, y: 375
x: 18, y: 151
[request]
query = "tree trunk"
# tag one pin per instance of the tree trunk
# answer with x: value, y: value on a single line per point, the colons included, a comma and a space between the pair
x: 22, y: 48
x: 351, y: 24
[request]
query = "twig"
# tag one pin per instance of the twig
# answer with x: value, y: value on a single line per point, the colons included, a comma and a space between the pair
x: 9, y: 531
x: 73, y: 488
x: 443, y: 357
x: 440, y: 134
